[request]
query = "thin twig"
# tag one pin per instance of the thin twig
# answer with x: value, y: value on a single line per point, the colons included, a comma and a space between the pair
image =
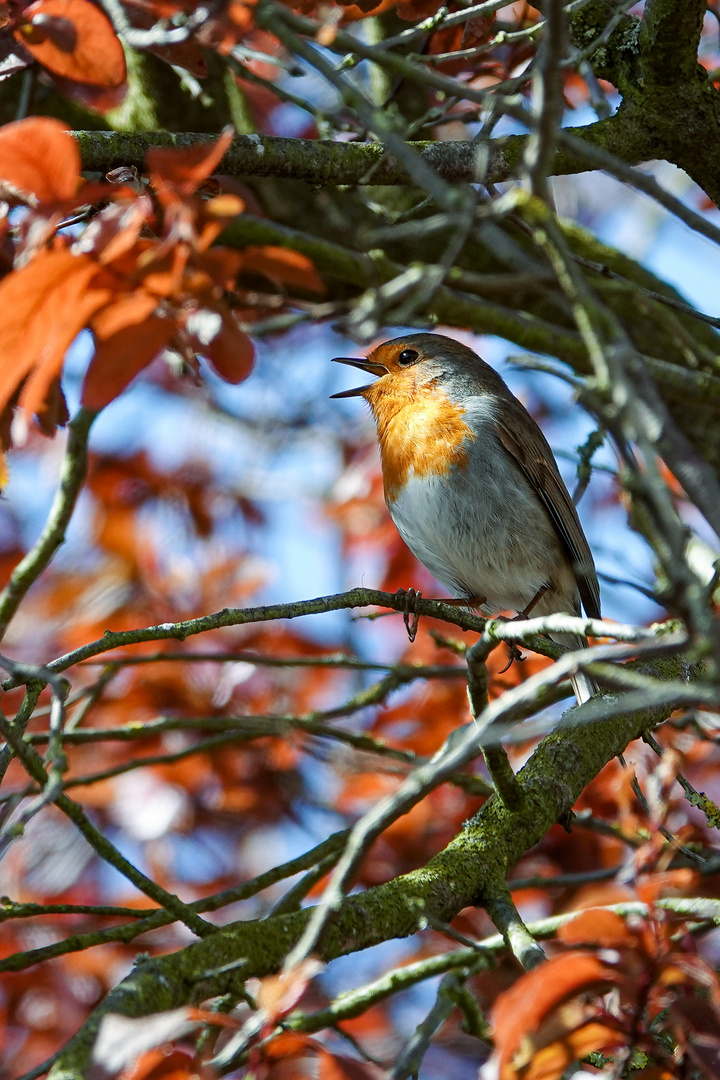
x: 152, y: 920
x: 501, y: 908
x: 32, y: 763
x: 71, y: 480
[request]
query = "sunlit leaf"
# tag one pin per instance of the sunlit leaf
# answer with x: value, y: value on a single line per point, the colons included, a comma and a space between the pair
x: 341, y: 1067
x: 279, y: 993
x: 596, y: 926
x: 550, y: 1062
x: 26, y: 147
x: 184, y: 170
x: 73, y: 38
x: 45, y: 304
x: 282, y: 264
x: 128, y: 335
x: 521, y: 1009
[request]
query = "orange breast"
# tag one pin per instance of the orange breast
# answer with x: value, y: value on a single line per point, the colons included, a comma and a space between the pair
x: 420, y: 429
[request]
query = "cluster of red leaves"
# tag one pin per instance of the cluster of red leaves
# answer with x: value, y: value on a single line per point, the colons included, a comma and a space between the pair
x: 638, y: 988
x: 72, y: 40
x: 142, y: 275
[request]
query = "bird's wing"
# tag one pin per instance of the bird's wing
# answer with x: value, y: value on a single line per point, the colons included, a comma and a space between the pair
x: 527, y: 445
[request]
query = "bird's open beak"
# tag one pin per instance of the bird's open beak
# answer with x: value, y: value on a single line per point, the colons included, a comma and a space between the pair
x: 364, y: 365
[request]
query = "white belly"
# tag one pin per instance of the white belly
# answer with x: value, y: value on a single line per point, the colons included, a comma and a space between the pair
x: 483, y: 532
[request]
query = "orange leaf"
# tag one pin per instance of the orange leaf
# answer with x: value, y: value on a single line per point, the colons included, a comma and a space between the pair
x: 26, y: 148
x: 520, y: 1010
x: 596, y: 926
x: 185, y: 170
x: 128, y: 336
x: 550, y: 1062
x: 230, y: 351
x: 73, y: 38
x: 160, y: 1064
x: 339, y: 1067
x: 355, y: 12
x: 287, y: 1044
x: 279, y: 993
x: 45, y: 304
x: 282, y: 264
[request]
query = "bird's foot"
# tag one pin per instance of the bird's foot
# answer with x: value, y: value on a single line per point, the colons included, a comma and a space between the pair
x: 513, y: 654
x: 411, y: 596
x: 525, y: 613
x: 411, y: 615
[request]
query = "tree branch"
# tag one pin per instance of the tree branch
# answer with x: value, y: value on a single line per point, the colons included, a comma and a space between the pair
x: 73, y: 475
x: 669, y: 36
x: 322, y: 161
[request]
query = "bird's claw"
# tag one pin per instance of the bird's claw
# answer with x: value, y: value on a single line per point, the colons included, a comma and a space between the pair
x: 513, y: 654
x: 410, y: 612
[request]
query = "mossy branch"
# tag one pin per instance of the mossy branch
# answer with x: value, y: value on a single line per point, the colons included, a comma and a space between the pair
x: 322, y: 161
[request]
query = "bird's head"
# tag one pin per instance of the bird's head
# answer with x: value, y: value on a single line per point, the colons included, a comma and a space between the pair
x: 414, y: 363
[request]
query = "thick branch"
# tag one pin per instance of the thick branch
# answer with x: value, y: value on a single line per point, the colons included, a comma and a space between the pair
x: 669, y: 38
x: 320, y: 161
x: 666, y: 93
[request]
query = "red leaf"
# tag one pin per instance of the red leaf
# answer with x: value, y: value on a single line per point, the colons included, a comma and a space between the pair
x: 596, y: 926
x: 45, y: 304
x: 74, y: 39
x: 26, y: 148
x: 128, y: 336
x: 161, y: 1064
x: 282, y: 264
x: 339, y: 1067
x: 520, y: 1010
x: 551, y: 1061
x: 230, y: 351
x: 288, y: 1044
x: 185, y: 170
x: 279, y: 993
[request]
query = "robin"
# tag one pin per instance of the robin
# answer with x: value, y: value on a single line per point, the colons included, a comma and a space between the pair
x: 472, y: 485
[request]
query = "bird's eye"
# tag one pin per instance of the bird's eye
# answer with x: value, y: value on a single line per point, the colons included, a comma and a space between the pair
x: 407, y: 356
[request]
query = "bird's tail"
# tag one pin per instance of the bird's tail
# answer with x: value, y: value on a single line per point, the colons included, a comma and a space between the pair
x: 583, y: 686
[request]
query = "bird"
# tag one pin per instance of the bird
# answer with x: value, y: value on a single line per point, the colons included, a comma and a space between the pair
x: 472, y: 485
